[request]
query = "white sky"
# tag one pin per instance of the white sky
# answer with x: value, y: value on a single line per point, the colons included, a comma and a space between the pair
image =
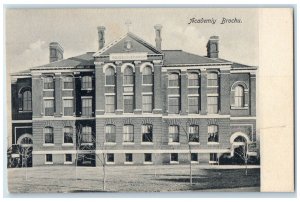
x: 29, y: 32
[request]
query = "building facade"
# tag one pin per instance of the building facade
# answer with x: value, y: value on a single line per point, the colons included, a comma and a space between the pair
x: 134, y: 103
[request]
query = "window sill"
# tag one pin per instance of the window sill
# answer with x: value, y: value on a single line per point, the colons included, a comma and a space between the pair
x: 109, y: 85
x: 194, y: 143
x: 68, y: 163
x: 146, y: 143
x: 87, y: 144
x: 48, y: 145
x: 193, y: 86
x: 128, y: 143
x: 146, y: 84
x: 213, y: 143
x: 128, y: 163
x: 173, y: 143
x: 243, y: 108
x: 148, y: 163
x: 173, y: 86
x: 88, y: 89
x: 25, y: 112
x: 48, y: 89
x: 212, y: 162
x: 67, y: 145
x: 48, y: 163
x: 68, y: 89
x: 212, y: 86
x: 110, y: 143
x: 110, y: 163
x: 174, y: 162
x: 194, y: 162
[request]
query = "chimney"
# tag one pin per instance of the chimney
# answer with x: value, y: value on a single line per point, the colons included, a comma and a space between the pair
x: 213, y: 47
x: 158, y: 36
x: 56, y: 52
x: 101, y: 35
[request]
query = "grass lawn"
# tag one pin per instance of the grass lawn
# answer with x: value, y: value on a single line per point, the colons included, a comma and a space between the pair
x: 132, y: 179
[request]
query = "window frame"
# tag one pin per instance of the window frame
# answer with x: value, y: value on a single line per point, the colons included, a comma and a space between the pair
x: 87, y: 85
x: 147, y: 75
x: 147, y: 104
x: 50, y: 85
x: 46, y: 159
x: 209, y: 105
x: 216, y: 134
x: 108, y: 161
x: 130, y: 134
x: 112, y: 133
x: 72, y: 82
x: 51, y: 143
x: 189, y: 79
x: 22, y: 100
x: 172, y: 155
x: 151, y: 159
x: 145, y: 134
x: 171, y: 106
x: 87, y: 108
x: 217, y: 80
x: 68, y: 162
x: 53, y: 103
x: 169, y: 80
x: 72, y: 135
x: 133, y: 104
x: 171, y: 135
x: 72, y: 101
x: 113, y: 76
x: 110, y: 105
x: 197, y: 134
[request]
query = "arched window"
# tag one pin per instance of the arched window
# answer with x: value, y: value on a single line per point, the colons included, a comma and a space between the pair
x: 25, y: 100
x: 213, y: 135
x: 147, y: 75
x: 110, y: 133
x: 110, y: 76
x: 128, y: 76
x: 193, y: 79
x: 48, y: 135
x: 68, y: 82
x: 174, y: 80
x: 173, y: 133
x: 86, y: 82
x: 239, y: 98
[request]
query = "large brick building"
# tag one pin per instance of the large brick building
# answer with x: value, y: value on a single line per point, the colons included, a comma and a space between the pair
x: 134, y: 103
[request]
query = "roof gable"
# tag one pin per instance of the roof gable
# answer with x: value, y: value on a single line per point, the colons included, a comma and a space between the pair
x: 129, y: 43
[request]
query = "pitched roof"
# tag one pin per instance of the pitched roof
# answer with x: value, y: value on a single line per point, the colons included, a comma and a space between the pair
x: 178, y: 57
x: 138, y: 45
x: 86, y: 59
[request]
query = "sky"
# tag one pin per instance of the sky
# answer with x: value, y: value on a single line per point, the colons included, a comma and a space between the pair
x: 29, y: 32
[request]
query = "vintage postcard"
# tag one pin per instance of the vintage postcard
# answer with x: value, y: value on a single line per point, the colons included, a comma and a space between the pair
x: 149, y: 100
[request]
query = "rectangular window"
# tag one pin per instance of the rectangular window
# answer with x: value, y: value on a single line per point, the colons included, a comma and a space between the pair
x: 194, y: 157
x: 86, y: 135
x: 147, y: 133
x: 213, y: 135
x: 48, y: 133
x: 212, y: 79
x: 194, y: 105
x: 212, y: 104
x: 194, y: 134
x: 174, y: 157
x: 68, y: 135
x: 148, y: 157
x: 49, y: 107
x: 110, y: 158
x: 109, y: 103
x: 128, y: 157
x: 110, y: 133
x: 174, y: 105
x: 147, y: 103
x: 49, y: 158
x: 48, y: 83
x: 68, y: 82
x: 213, y: 157
x: 68, y: 107
x: 86, y: 106
x: 128, y: 104
x: 128, y: 135
x: 173, y: 134
x: 68, y: 158
x: 86, y: 82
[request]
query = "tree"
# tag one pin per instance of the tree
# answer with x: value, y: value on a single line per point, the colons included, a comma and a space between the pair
x: 86, y: 144
x: 242, y: 152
